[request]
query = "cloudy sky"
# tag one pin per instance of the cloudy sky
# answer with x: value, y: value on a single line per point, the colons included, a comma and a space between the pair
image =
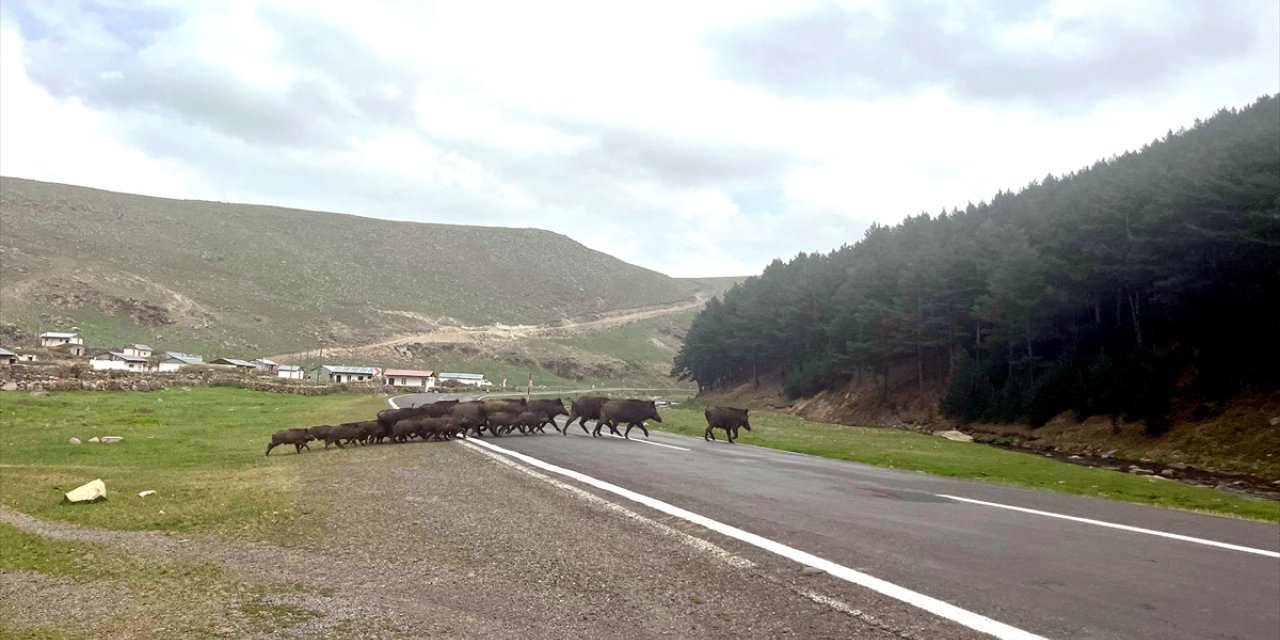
x: 694, y: 138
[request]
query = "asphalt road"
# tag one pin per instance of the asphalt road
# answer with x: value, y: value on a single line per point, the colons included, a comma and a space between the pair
x: 1049, y: 576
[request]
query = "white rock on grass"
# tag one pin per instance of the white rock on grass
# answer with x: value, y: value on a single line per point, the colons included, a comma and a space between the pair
x: 148, y: 492
x: 95, y: 440
x: 74, y: 441
x: 111, y: 439
x: 958, y: 436
x: 88, y: 492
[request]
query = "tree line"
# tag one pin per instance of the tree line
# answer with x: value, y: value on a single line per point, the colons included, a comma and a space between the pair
x: 1113, y: 290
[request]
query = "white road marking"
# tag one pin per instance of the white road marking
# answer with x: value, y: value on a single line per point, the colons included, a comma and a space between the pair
x: 705, y: 546
x: 1113, y: 525
x: 656, y: 444
x: 937, y: 607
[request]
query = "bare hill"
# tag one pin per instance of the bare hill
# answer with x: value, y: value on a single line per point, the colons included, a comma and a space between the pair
x: 250, y: 279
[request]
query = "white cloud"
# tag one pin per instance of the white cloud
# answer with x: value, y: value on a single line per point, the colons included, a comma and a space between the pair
x: 616, y: 125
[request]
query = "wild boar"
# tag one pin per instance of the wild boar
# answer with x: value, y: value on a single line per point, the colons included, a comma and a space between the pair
x: 403, y: 430
x: 438, y: 428
x: 727, y: 418
x: 318, y: 432
x: 584, y: 409
x: 632, y: 412
x: 296, y: 437
x: 348, y: 431
x: 549, y: 409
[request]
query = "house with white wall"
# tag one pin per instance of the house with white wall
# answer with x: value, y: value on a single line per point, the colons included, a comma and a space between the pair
x: 174, y: 361
x: 140, y: 350
x: 290, y: 372
x: 415, y: 378
x: 470, y: 379
x: 342, y: 374
x: 233, y: 363
x: 117, y: 361
x: 266, y: 365
x: 59, y: 338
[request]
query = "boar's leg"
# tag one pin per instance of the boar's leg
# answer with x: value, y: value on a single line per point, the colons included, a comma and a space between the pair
x: 270, y: 447
x: 709, y: 434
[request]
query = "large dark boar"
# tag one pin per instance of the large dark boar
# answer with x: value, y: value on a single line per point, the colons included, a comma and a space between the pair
x: 727, y: 418
x: 348, y: 431
x: 470, y: 416
x: 632, y: 412
x: 438, y: 428
x: 549, y: 410
x: 296, y: 437
x: 584, y: 409
x: 318, y: 432
x: 405, y: 429
x: 502, y: 421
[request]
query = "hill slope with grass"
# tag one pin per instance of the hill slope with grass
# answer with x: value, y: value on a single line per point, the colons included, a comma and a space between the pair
x: 219, y: 278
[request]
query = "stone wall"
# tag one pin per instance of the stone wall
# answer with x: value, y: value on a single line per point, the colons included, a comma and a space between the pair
x: 37, y: 377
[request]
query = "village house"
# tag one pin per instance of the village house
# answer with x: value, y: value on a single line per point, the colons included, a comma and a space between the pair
x: 410, y: 378
x: 140, y: 350
x: 470, y: 379
x: 28, y: 357
x: 116, y: 361
x: 341, y: 374
x: 173, y: 361
x: 7, y: 356
x: 269, y: 366
x: 232, y: 363
x: 290, y: 372
x: 59, y: 338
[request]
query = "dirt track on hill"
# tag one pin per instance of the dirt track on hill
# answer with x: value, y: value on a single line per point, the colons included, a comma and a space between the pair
x: 480, y: 333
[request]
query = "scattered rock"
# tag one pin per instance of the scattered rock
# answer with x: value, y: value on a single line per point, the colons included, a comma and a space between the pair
x: 39, y: 392
x: 148, y: 492
x: 1110, y: 453
x: 10, y: 386
x: 1168, y: 473
x: 1139, y: 470
x: 1180, y: 466
x: 111, y: 439
x: 95, y: 440
x: 88, y: 492
x: 74, y: 441
x: 958, y: 436
x: 1275, y: 422
x: 1073, y: 457
x: 811, y: 571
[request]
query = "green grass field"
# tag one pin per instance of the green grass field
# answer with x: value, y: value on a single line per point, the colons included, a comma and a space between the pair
x: 909, y: 451
x: 201, y: 450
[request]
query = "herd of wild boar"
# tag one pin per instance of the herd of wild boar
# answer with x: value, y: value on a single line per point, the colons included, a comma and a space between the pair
x: 449, y: 419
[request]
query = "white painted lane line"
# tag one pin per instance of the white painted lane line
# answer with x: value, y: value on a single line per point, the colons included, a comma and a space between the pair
x: 656, y: 444
x: 1113, y: 525
x: 937, y: 607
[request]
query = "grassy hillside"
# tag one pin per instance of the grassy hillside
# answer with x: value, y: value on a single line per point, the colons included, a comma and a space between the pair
x: 214, y: 277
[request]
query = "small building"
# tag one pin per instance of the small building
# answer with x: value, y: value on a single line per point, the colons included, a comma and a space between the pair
x: 290, y: 372
x: 7, y: 356
x: 140, y: 350
x: 232, y: 363
x: 116, y: 361
x: 341, y: 374
x: 470, y: 379
x: 28, y: 357
x: 410, y: 378
x: 59, y: 338
x: 269, y: 366
x: 174, y: 361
